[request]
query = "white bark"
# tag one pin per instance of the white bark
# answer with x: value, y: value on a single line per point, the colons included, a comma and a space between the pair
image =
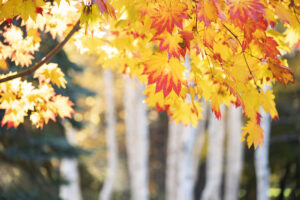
x: 180, y: 181
x: 69, y: 169
x: 234, y: 155
x: 172, y: 157
x: 214, y: 163
x: 112, y: 146
x: 262, y: 160
x: 180, y: 161
x: 199, y: 141
x: 136, y: 139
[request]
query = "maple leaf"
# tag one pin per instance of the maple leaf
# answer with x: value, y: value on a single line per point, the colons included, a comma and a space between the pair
x: 223, y: 50
x: 209, y: 11
x: 218, y: 98
x: 34, y: 33
x: 238, y: 70
x: 251, y: 99
x: 171, y: 43
x: 187, y: 37
x: 167, y: 14
x: 268, y: 104
x: 3, y: 65
x: 282, y: 73
x: 166, y: 73
x: 36, y: 119
x: 18, y: 49
x: 51, y: 72
x: 241, y: 10
x: 63, y: 106
x: 269, y: 46
x: 176, y: 44
x: 253, y: 134
x: 13, y: 118
x: 187, y: 113
x: 254, y: 28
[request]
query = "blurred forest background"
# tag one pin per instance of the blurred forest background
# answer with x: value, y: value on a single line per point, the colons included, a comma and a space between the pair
x: 114, y: 148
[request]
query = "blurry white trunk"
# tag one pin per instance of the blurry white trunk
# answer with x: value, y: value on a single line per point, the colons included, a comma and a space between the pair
x: 136, y: 139
x: 112, y: 146
x: 214, y: 162
x: 172, y: 157
x: 199, y: 141
x: 180, y: 181
x: 180, y: 161
x: 69, y: 169
x: 234, y: 155
x: 262, y: 160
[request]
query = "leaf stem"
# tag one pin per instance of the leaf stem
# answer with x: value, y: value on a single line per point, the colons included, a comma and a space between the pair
x: 45, y: 59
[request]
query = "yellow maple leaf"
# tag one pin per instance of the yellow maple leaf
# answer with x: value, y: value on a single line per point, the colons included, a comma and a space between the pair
x: 253, y: 134
x: 218, y: 97
x: 185, y: 112
x: 51, y: 72
x: 63, y: 106
x: 239, y: 71
x: 267, y: 101
x: 3, y: 65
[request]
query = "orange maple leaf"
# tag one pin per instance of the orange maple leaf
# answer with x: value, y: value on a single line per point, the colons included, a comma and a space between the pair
x: 252, y: 26
x: 280, y: 72
x: 167, y: 14
x: 166, y: 73
x: 270, y: 46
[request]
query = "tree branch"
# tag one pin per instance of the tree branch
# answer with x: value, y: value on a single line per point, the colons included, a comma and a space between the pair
x: 45, y: 59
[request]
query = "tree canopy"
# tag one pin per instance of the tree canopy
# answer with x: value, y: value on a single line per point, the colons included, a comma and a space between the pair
x: 184, y: 51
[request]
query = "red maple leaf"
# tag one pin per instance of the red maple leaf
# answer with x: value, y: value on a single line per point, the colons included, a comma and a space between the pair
x: 168, y: 14
x: 280, y: 72
x: 166, y: 74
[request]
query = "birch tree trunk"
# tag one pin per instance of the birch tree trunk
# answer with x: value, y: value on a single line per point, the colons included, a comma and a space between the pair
x: 180, y: 161
x: 234, y: 155
x: 136, y: 139
x: 172, y: 157
x: 112, y: 146
x: 69, y: 169
x: 199, y: 141
x: 214, y: 163
x: 262, y: 160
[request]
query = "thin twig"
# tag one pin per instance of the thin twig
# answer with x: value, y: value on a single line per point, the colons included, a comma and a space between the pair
x: 252, y: 75
x: 45, y: 59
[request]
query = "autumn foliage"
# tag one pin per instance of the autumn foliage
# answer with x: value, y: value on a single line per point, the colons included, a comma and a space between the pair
x: 185, y: 51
